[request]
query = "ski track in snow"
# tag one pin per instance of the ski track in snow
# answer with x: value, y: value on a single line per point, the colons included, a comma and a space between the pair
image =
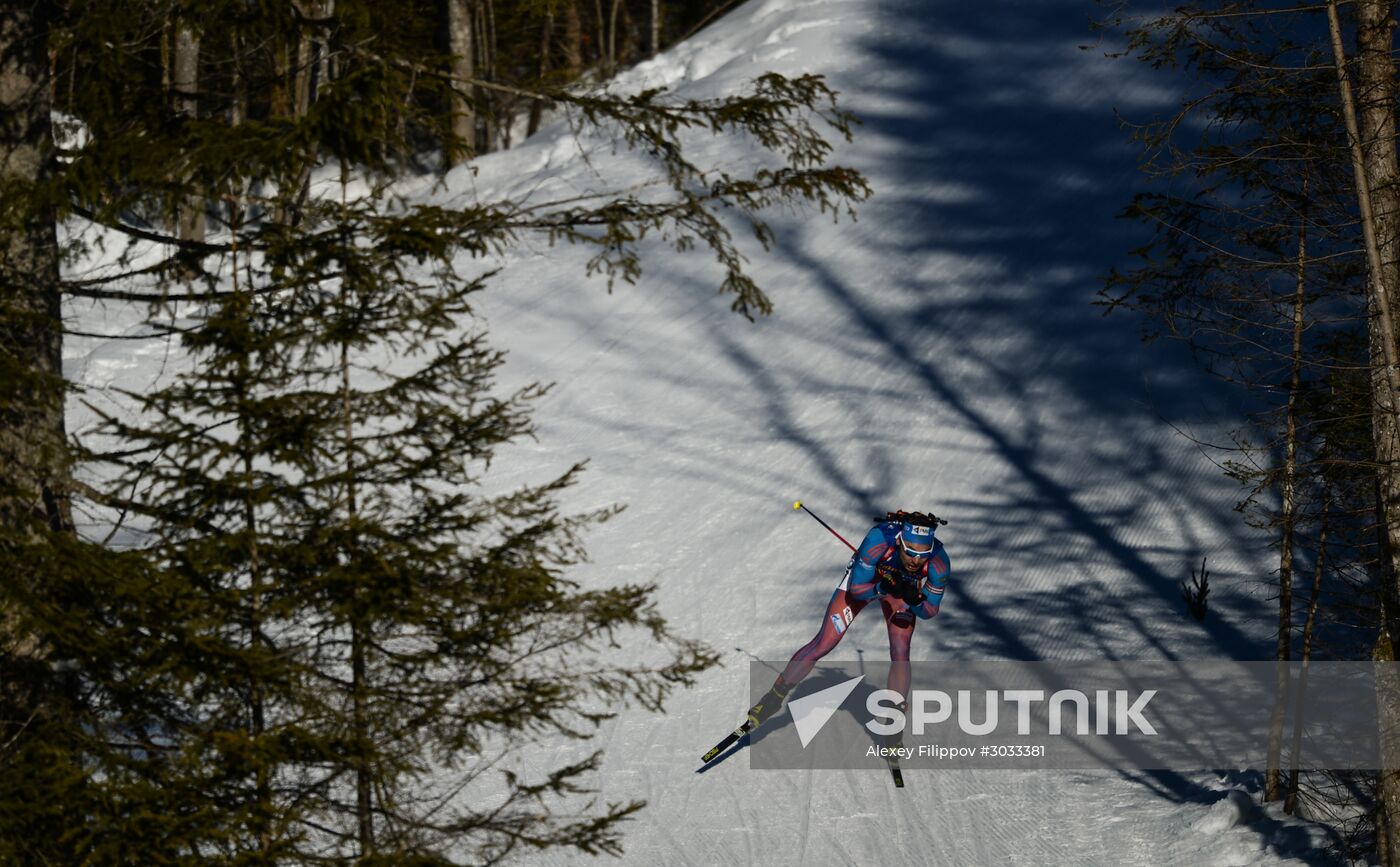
x: 940, y: 353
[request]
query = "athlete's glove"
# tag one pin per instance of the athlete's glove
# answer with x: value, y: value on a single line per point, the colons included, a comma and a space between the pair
x: 888, y: 586
x: 910, y: 592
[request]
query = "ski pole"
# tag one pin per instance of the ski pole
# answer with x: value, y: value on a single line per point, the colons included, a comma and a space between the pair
x: 798, y: 505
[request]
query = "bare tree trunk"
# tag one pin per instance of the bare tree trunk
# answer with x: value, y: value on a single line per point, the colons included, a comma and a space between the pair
x: 1290, y: 802
x: 238, y: 101
x: 612, y: 34
x: 34, y: 465
x: 627, y: 42
x: 33, y: 447
x: 302, y: 72
x: 537, y: 105
x: 1374, y: 163
x: 602, y: 35
x: 322, y: 51
x: 279, y: 94
x: 655, y: 27
x: 573, y: 40
x: 364, y: 797
x: 1273, y: 779
x: 1383, y: 651
x: 237, y: 115
x: 1387, y: 781
x: 165, y: 60
x: 282, y: 103
x: 185, y: 82
x: 303, y: 76
x: 461, y: 44
x: 491, y: 132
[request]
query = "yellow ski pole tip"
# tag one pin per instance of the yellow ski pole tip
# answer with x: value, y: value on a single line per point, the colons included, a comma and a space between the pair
x: 797, y: 504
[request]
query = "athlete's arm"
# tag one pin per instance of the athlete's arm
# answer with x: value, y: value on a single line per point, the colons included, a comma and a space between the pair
x: 938, y: 569
x: 862, y: 586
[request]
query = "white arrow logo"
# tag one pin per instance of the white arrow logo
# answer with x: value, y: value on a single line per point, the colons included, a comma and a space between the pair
x: 811, y: 712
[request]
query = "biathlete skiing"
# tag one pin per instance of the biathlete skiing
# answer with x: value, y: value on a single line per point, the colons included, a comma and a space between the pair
x: 899, y: 563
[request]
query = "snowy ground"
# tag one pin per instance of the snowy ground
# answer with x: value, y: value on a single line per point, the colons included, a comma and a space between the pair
x: 941, y: 353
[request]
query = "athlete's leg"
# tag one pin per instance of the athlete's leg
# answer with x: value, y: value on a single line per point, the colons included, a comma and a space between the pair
x: 840, y: 611
x: 901, y: 630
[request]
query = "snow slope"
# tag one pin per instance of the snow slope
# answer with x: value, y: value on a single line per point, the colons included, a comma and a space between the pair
x: 940, y: 353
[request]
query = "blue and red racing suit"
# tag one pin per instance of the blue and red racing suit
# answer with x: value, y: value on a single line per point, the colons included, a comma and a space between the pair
x: 876, y: 558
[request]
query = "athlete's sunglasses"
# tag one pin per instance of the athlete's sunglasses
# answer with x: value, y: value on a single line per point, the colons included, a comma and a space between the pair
x: 912, y: 553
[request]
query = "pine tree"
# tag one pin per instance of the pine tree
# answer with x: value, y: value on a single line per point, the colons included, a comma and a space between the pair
x: 329, y: 629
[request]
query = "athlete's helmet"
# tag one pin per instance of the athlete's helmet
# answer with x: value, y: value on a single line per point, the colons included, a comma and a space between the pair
x: 915, y: 533
x: 915, y: 539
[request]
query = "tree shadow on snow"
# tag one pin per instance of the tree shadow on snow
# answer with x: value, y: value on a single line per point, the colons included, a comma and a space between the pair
x: 995, y: 104
x: 1001, y: 170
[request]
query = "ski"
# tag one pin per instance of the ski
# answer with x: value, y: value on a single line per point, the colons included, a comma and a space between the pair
x: 773, y: 700
x: 896, y: 773
x: 728, y: 740
x: 748, y: 726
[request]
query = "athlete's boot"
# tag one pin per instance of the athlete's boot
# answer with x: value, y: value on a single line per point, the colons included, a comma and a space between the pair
x: 770, y: 704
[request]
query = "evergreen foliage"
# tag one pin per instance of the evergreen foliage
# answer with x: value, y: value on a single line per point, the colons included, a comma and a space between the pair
x: 329, y: 635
